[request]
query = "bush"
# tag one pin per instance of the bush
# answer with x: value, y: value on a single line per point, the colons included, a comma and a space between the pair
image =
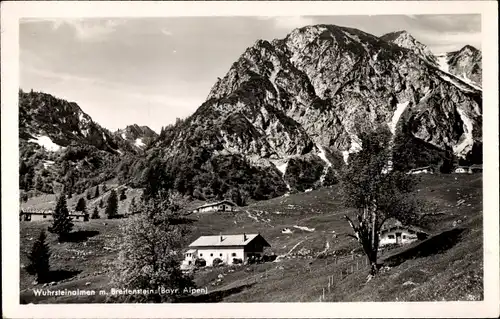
x: 217, y: 262
x: 200, y: 262
x: 237, y: 261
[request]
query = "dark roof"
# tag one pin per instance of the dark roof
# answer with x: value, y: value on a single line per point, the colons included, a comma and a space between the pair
x: 407, y: 228
x: 419, y: 168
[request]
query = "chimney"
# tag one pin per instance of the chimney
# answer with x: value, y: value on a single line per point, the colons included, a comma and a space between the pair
x: 244, y: 237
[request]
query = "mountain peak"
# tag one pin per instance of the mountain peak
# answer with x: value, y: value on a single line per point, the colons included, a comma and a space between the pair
x: 468, y: 49
x: 407, y: 41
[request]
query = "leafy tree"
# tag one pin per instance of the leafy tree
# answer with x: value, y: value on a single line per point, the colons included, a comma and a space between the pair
x: 95, y: 213
x: 112, y: 206
x: 61, y: 222
x: 81, y: 206
x: 150, y: 250
x: 448, y: 163
x: 39, y: 258
x: 154, y: 178
x: 133, y: 206
x: 122, y: 195
x: 28, y: 178
x: 377, y: 195
x: 96, y: 191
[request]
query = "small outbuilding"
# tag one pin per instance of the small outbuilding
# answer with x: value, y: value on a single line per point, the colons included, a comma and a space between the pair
x: 422, y: 170
x: 400, y: 235
x: 222, y: 206
x: 462, y: 170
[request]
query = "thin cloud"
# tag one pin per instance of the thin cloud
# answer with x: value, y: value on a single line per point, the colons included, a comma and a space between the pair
x: 166, y: 32
x: 89, y: 29
x: 289, y: 22
x: 131, y: 91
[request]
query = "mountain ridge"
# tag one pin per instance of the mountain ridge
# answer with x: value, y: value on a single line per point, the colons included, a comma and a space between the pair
x: 287, y: 114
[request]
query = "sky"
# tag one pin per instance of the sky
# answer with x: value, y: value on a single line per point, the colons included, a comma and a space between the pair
x: 150, y: 71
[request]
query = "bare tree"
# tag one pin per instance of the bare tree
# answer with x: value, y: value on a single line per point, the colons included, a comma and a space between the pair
x: 376, y: 192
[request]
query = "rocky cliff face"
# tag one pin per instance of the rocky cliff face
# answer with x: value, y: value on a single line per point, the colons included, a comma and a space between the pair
x: 56, y: 123
x: 137, y: 136
x: 466, y: 64
x: 312, y: 92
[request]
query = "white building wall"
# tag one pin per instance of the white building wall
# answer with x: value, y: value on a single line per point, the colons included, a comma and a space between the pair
x: 216, y: 252
x: 406, y: 238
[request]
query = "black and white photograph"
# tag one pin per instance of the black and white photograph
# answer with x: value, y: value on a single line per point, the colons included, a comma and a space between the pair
x: 253, y: 158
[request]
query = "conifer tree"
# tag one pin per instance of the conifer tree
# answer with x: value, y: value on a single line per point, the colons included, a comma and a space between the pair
x: 61, y: 223
x: 39, y: 258
x: 81, y: 206
x: 96, y: 191
x: 101, y: 204
x: 88, y: 195
x: 112, y: 206
x: 95, y: 213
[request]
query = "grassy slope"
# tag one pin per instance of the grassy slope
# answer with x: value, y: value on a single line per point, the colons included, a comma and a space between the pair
x: 435, y: 270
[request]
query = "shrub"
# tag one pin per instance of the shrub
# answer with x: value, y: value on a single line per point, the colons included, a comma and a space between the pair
x: 217, y: 262
x: 237, y: 261
x: 200, y: 262
x: 95, y: 214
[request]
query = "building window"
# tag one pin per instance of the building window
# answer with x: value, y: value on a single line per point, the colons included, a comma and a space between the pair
x: 404, y: 236
x: 44, y: 216
x: 220, y: 255
x: 233, y: 254
x: 391, y: 236
x: 201, y: 255
x: 211, y: 255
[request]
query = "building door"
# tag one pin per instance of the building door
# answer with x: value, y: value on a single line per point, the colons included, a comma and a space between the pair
x: 398, y: 238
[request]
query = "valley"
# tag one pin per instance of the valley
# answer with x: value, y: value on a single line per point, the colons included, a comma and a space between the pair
x: 316, y: 221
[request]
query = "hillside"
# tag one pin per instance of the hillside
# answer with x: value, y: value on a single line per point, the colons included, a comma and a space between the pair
x: 452, y: 255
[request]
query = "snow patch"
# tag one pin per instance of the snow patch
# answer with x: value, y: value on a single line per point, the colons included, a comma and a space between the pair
x: 47, y: 163
x: 442, y: 61
x: 355, y: 147
x: 139, y: 143
x: 282, y: 169
x: 46, y: 143
x: 322, y: 155
x: 455, y: 83
x: 463, y: 147
x: 401, y: 107
x: 304, y: 228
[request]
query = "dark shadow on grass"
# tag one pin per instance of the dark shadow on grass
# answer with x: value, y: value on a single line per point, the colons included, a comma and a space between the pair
x: 80, y: 236
x: 58, y: 275
x: 216, y: 296
x: 434, y: 245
